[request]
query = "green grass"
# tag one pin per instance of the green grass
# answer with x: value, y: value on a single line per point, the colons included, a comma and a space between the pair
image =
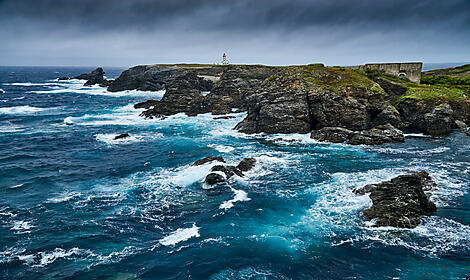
x: 434, y: 94
x: 445, y: 80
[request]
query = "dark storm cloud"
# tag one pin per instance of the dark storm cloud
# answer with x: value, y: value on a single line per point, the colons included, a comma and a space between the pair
x: 97, y: 15
x: 127, y: 32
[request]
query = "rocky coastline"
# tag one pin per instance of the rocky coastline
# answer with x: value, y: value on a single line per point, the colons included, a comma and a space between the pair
x: 333, y: 104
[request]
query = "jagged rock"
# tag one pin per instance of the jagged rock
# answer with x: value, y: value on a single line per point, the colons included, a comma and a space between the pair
x: 332, y: 134
x: 376, y: 136
x: 63, y: 79
x: 214, y: 179
x: 304, y: 98
x: 389, y: 115
x: 93, y: 78
x: 208, y: 159
x: 401, y: 201
x: 439, y: 122
x: 181, y: 96
x: 276, y: 108
x: 246, y: 164
x: 120, y: 136
x: 228, y: 170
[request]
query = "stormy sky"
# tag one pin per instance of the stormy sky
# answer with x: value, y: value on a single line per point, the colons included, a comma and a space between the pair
x: 131, y: 32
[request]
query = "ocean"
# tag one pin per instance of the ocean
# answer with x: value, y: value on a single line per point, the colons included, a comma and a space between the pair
x: 76, y: 204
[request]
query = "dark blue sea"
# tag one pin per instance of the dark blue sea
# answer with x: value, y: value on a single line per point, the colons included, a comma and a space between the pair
x: 76, y: 204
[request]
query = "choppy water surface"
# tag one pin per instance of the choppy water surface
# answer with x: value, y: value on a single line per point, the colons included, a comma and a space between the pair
x: 77, y: 204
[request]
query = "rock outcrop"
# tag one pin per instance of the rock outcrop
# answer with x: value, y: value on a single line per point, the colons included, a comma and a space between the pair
x: 183, y: 95
x: 401, y: 201
x: 120, y: 136
x: 222, y: 172
x: 96, y: 77
x: 208, y: 159
x: 378, y: 135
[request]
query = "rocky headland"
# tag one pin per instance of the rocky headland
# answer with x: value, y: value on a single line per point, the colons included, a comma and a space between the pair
x: 334, y: 104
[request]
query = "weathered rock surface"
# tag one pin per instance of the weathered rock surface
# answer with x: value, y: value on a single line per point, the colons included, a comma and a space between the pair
x: 182, y: 96
x: 401, y: 201
x: 120, y: 136
x: 376, y: 136
x: 208, y: 159
x: 332, y: 134
x: 439, y: 121
x: 301, y: 99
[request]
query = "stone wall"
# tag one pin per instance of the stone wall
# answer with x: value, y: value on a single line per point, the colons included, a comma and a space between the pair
x: 411, y: 70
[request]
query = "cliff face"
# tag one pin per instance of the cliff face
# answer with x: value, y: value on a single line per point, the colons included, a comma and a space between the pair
x: 300, y: 99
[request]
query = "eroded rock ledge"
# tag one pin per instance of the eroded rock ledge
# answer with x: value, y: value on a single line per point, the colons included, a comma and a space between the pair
x: 400, y: 202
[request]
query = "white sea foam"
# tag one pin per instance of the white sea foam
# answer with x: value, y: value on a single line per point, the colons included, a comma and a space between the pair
x: 22, y: 227
x: 239, y: 196
x: 63, y: 197
x: 222, y: 148
x: 109, y: 138
x: 2, y: 91
x: 421, y: 135
x: 16, y: 186
x: 180, y: 235
x: 21, y: 110
x: 46, y: 258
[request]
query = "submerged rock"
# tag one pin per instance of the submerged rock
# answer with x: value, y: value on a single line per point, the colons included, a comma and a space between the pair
x: 63, y: 79
x: 401, y: 201
x: 120, y: 136
x: 208, y: 159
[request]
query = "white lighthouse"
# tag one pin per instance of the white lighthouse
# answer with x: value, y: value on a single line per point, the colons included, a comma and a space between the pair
x: 224, y: 60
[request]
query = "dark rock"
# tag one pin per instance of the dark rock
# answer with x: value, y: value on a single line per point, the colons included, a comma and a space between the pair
x: 181, y: 96
x: 246, y: 164
x: 332, y: 134
x: 224, y: 118
x: 301, y: 99
x: 208, y: 159
x: 63, y: 78
x: 146, y: 105
x: 228, y: 170
x: 276, y: 108
x: 120, y: 136
x: 376, y: 136
x: 214, y: 178
x: 439, y: 121
x: 401, y: 201
x: 389, y: 115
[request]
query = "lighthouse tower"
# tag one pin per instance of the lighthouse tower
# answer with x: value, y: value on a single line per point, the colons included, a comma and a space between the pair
x: 224, y: 60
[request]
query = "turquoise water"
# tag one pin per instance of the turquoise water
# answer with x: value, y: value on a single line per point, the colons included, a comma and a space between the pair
x: 76, y: 204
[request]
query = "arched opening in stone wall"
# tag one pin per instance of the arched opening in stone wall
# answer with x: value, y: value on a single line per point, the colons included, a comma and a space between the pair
x: 402, y: 74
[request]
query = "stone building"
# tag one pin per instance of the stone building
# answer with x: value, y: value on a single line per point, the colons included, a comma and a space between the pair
x: 410, y: 70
